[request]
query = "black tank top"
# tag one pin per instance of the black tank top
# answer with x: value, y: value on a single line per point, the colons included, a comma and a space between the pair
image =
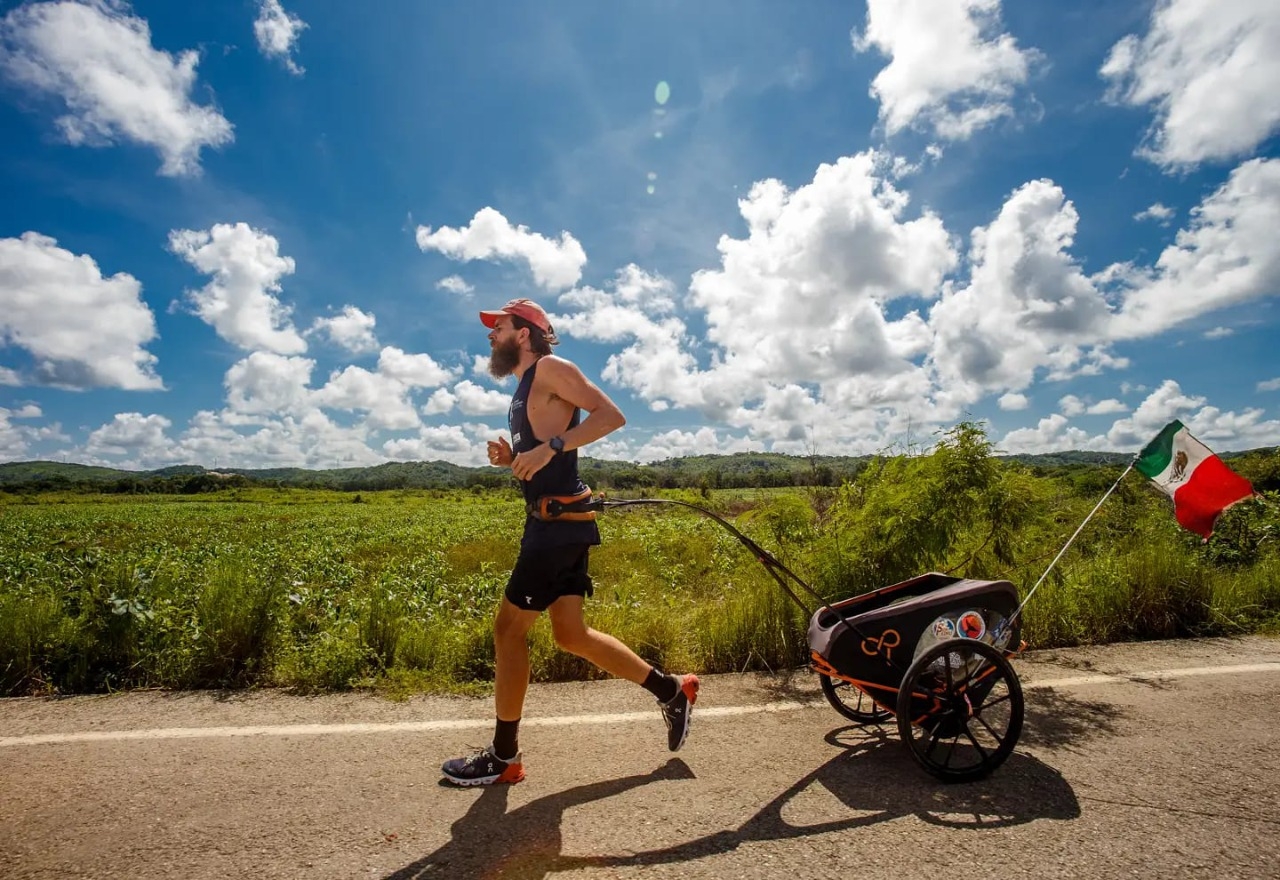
x: 559, y: 477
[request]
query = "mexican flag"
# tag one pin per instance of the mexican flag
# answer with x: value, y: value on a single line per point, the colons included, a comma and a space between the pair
x: 1200, y: 485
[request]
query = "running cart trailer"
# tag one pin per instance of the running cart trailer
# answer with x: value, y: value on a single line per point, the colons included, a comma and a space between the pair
x: 932, y: 652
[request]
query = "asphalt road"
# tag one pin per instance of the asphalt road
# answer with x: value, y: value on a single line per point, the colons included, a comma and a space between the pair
x: 1152, y: 760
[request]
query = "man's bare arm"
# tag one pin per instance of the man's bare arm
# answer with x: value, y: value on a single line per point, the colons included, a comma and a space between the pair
x: 568, y: 383
x: 563, y: 380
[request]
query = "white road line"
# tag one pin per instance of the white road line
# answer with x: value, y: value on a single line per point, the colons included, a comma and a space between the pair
x: 1156, y: 675
x: 559, y: 721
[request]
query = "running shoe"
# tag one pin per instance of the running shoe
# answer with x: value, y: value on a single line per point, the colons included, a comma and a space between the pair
x: 483, y: 767
x: 678, y: 712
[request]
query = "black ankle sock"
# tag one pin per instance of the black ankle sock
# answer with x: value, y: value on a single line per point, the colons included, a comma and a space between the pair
x: 663, y: 686
x: 506, y: 742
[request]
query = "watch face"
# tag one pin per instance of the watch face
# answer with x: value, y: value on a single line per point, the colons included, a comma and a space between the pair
x: 557, y: 443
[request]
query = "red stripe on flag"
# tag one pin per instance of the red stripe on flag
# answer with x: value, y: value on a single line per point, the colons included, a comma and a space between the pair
x: 1213, y: 488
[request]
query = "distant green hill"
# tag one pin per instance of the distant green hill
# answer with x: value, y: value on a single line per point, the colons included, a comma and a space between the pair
x: 740, y: 470
x: 415, y: 474
x: 28, y: 471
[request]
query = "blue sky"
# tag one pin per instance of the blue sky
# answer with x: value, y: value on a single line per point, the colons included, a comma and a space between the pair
x: 256, y: 232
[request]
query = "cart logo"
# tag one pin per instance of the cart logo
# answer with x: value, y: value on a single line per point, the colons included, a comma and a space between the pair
x: 888, y: 640
x: 971, y: 625
x: 943, y: 628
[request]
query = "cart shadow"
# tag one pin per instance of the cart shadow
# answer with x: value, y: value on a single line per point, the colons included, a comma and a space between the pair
x: 1056, y: 720
x: 872, y: 778
x: 875, y: 778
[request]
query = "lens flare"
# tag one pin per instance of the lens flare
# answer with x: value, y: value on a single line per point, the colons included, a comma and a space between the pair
x: 662, y: 93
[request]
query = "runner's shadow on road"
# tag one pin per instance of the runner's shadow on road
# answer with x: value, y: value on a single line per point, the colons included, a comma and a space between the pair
x: 871, y: 780
x: 488, y: 841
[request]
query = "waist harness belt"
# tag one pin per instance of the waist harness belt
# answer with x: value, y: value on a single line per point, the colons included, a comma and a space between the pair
x: 564, y: 508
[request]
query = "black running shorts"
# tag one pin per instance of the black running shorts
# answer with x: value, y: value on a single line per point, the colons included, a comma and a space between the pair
x: 544, y: 574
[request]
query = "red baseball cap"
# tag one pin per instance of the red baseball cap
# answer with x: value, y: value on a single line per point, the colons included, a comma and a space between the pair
x: 520, y: 308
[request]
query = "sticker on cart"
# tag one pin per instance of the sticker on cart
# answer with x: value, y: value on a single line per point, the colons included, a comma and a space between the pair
x: 944, y: 628
x: 971, y: 625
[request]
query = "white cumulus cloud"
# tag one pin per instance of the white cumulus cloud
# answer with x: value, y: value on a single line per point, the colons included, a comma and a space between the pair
x: 351, y: 328
x: 97, y: 58
x: 432, y: 443
x: 241, y: 302
x: 265, y: 382
x: 1210, y: 69
x: 386, y: 400
x: 796, y: 330
x: 1225, y: 256
x: 472, y: 400
x: 17, y: 440
x: 1053, y: 432
x: 454, y: 284
x: 132, y: 434
x: 82, y: 330
x: 414, y: 370
x: 1162, y: 214
x: 277, y: 32
x: 441, y: 401
x: 1106, y: 407
x: 951, y: 68
x: 1028, y: 305
x: 555, y: 265
x: 704, y: 441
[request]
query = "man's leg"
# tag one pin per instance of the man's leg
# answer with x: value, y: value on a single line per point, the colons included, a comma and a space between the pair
x: 676, y: 693
x: 511, y: 653
x: 573, y: 635
x: 500, y: 761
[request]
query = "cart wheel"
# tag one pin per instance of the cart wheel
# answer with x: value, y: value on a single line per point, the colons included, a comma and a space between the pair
x: 851, y: 701
x: 960, y: 709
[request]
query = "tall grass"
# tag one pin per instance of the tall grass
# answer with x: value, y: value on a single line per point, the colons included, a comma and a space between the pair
x: 316, y: 593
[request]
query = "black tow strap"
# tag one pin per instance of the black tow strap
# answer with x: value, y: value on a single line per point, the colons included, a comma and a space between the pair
x: 776, y: 569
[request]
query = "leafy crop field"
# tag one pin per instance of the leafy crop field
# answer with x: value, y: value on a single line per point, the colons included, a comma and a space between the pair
x: 308, y: 589
x: 319, y: 590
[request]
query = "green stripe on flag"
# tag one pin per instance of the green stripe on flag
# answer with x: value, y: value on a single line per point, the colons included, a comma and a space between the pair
x: 1157, y: 454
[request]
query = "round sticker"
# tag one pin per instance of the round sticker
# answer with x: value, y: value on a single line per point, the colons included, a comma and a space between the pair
x: 943, y: 628
x: 971, y: 625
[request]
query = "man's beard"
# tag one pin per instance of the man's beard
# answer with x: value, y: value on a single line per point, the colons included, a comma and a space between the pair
x: 504, y: 358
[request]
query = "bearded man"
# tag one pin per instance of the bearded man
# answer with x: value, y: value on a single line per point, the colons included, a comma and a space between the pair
x: 550, y: 574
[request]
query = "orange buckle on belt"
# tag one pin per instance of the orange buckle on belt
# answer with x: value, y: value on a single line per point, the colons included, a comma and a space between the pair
x: 563, y: 508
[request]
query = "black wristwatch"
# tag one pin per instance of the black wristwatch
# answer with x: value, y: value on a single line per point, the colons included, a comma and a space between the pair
x: 556, y: 444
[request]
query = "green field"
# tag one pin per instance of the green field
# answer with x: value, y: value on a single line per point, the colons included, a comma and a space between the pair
x: 396, y: 590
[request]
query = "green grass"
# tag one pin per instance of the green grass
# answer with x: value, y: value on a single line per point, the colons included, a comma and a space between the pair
x: 308, y: 590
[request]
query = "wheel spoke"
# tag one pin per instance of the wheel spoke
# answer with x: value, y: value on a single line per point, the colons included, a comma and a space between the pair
x: 976, y: 745
x: 997, y: 737
x: 951, y: 751
x: 933, y: 741
x: 996, y: 702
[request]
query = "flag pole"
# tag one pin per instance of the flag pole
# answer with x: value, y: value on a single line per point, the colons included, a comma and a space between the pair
x: 1018, y: 612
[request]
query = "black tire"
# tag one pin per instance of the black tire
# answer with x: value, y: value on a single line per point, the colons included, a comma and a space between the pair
x: 852, y: 702
x: 960, y: 719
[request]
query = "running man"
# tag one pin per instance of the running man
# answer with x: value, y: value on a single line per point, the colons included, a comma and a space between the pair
x: 550, y: 573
